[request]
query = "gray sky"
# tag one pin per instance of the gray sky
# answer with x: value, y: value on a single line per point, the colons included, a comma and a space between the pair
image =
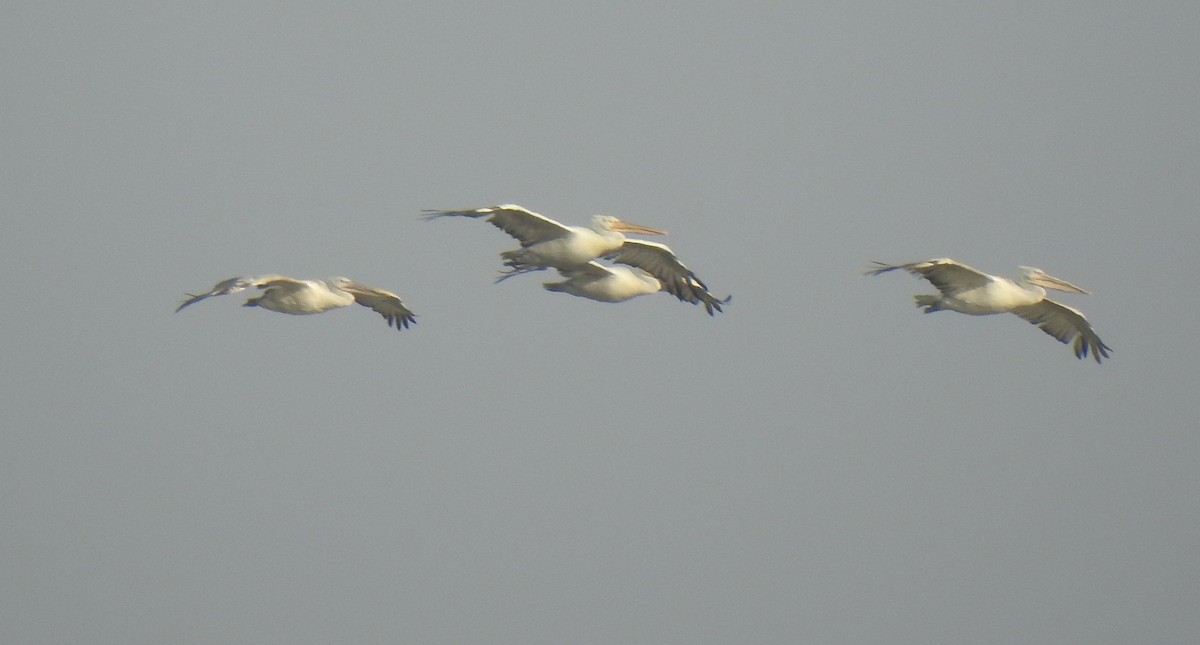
x: 821, y: 463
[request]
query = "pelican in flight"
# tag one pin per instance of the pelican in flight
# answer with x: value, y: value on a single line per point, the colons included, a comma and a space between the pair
x: 974, y: 292
x: 546, y: 243
x: 651, y: 268
x: 299, y: 297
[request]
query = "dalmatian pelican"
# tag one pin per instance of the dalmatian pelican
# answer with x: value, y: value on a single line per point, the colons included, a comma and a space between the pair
x: 546, y: 243
x: 300, y: 297
x: 970, y: 291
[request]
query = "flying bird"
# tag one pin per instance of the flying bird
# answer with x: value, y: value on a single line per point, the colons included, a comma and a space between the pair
x: 546, y: 243
x: 299, y: 297
x: 645, y: 275
x: 973, y: 292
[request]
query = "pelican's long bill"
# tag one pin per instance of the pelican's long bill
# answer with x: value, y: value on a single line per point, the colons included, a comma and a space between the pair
x: 1046, y: 281
x: 629, y: 227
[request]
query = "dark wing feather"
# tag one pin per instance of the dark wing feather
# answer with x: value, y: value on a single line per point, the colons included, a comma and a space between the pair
x: 1065, y: 324
x: 659, y: 261
x: 385, y: 303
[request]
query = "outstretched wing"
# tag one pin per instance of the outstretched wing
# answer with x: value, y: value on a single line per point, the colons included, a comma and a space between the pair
x: 385, y: 303
x: 1066, y: 324
x: 949, y: 276
x: 659, y: 261
x: 234, y: 285
x: 526, y: 226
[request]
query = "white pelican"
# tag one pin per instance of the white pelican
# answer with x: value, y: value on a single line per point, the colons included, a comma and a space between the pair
x: 546, y: 243
x: 299, y: 297
x: 618, y: 284
x: 973, y: 292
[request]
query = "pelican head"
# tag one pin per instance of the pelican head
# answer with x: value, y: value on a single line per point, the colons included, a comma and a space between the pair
x: 339, y: 282
x: 602, y: 223
x: 1042, y: 279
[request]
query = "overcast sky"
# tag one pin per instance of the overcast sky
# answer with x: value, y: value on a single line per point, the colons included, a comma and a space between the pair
x: 821, y: 463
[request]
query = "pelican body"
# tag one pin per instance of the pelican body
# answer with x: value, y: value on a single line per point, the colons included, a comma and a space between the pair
x: 970, y: 291
x: 546, y: 243
x: 595, y: 281
x: 304, y: 297
x: 650, y: 268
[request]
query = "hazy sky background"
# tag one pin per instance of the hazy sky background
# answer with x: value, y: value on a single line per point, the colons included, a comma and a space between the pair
x: 821, y: 463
